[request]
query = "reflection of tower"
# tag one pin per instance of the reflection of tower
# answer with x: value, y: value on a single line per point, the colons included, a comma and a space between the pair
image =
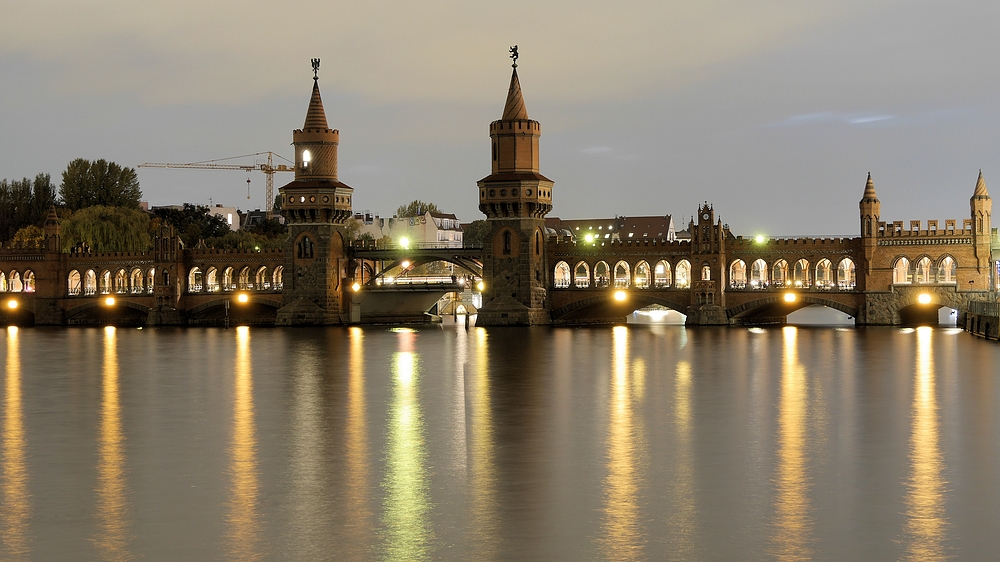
x: 317, y: 206
x: 515, y: 198
x: 870, y: 209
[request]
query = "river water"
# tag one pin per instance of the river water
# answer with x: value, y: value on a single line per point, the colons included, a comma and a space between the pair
x: 436, y: 443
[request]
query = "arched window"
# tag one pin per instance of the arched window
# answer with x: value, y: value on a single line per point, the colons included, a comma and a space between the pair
x: 622, y: 274
x: 3, y: 282
x: 602, y: 274
x: 75, y: 283
x: 507, y: 243
x: 261, y: 281
x: 90, y: 283
x: 641, y: 278
x: 947, y: 270
x: 277, y: 279
x: 901, y: 271
x: 135, y: 281
x: 682, y: 274
x: 758, y: 274
x: 779, y: 273
x: 738, y: 274
x: 165, y: 275
x: 121, y: 282
x: 581, y: 275
x: 195, y: 280
x: 305, y: 248
x: 212, y: 280
x: 244, y: 282
x: 538, y: 244
x: 924, y: 271
x: 846, y: 277
x: 14, y: 282
x: 800, y: 273
x: 824, y: 274
x: 561, y: 276
x: 104, y: 282
x: 29, y: 281
x: 661, y: 274
x: 228, y: 282
x: 150, y: 280
x: 706, y: 272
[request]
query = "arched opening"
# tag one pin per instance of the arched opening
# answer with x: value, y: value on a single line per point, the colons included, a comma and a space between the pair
x: 14, y: 284
x: 261, y: 281
x: 135, y: 281
x: 738, y: 274
x: 682, y: 274
x: 602, y: 274
x: 824, y: 274
x: 121, y: 282
x: 74, y: 283
x: 800, y: 274
x: 561, y: 276
x: 90, y: 283
x: 947, y: 269
x: 846, y: 275
x: 212, y: 280
x: 244, y: 279
x: 706, y: 272
x: 622, y: 274
x: 581, y: 275
x: 641, y: 277
x: 277, y: 279
x: 758, y: 274
x: 3, y: 282
x: 104, y: 282
x: 901, y: 272
x: 150, y: 280
x: 195, y: 280
x: 923, y: 272
x: 29, y: 281
x: 228, y: 282
x: 657, y: 315
x: 661, y: 274
x: 779, y: 273
x: 819, y: 315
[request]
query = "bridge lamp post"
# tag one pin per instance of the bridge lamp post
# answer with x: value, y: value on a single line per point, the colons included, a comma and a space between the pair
x: 759, y: 239
x: 481, y: 286
x: 404, y: 243
x: 589, y: 238
x: 924, y: 298
x: 791, y: 297
x: 356, y: 287
x: 620, y: 296
x: 242, y: 298
x: 110, y: 301
x: 12, y: 304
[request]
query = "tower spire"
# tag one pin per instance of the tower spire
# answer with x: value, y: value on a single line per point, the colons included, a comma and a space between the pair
x: 870, y: 188
x: 981, y: 186
x: 315, y: 115
x: 514, y: 108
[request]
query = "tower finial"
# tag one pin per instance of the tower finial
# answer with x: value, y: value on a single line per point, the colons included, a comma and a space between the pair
x: 513, y: 55
x: 315, y: 63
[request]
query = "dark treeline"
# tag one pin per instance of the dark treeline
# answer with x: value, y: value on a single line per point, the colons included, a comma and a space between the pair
x: 24, y: 203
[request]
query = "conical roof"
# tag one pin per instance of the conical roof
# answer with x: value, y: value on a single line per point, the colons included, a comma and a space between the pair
x: 316, y: 116
x: 514, y: 108
x: 870, y: 188
x: 981, y: 187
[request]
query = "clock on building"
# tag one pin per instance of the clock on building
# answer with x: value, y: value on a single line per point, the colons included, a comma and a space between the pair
x: 705, y: 216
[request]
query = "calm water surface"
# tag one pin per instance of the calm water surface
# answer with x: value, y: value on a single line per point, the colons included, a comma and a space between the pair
x: 624, y: 443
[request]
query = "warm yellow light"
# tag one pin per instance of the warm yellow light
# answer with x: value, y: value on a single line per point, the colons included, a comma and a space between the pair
x: 404, y: 242
x: 589, y: 238
x: 790, y: 297
x: 110, y: 301
x: 759, y: 238
x: 405, y: 264
x: 12, y: 304
x: 242, y: 297
x: 619, y: 295
x: 480, y: 286
x: 924, y: 298
x: 356, y: 287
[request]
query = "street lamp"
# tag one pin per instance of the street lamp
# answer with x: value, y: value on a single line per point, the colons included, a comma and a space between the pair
x: 110, y: 301
x: 790, y: 297
x: 12, y: 304
x: 620, y: 296
x: 924, y: 298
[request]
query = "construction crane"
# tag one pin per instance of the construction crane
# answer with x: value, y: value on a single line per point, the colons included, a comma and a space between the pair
x: 268, y: 168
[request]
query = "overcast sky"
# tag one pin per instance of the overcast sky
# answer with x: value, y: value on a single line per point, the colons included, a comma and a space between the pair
x: 773, y: 111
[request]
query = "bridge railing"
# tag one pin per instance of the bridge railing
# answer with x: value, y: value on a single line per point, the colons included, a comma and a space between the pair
x: 985, y: 308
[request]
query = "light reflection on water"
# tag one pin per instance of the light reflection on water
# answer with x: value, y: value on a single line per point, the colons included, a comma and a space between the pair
x: 496, y: 444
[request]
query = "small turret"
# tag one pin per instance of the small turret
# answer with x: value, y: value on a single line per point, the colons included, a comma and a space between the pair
x: 981, y: 206
x: 870, y: 209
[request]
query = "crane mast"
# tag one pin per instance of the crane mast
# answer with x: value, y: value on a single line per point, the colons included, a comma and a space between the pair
x: 269, y: 168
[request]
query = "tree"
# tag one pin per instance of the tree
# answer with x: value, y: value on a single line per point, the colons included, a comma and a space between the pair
x: 475, y: 233
x: 24, y: 203
x: 416, y: 208
x: 245, y: 240
x: 30, y: 236
x: 193, y: 223
x: 107, y: 229
x: 270, y: 228
x: 86, y: 183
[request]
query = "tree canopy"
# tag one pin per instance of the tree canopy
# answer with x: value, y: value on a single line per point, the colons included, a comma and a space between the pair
x: 86, y: 183
x: 107, y: 229
x: 475, y: 233
x: 416, y: 208
x: 193, y: 223
x: 24, y: 203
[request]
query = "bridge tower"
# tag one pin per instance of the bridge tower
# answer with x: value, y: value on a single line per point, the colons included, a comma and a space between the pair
x: 515, y: 198
x: 982, y: 208
x: 316, y: 206
x: 709, y: 268
x: 870, y: 211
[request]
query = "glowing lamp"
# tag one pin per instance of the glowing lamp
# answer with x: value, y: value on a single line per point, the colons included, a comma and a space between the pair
x: 924, y: 298
x: 619, y: 296
x: 356, y: 287
x: 790, y: 297
x: 759, y: 239
x: 12, y: 304
x: 405, y: 243
x: 110, y: 301
x: 589, y: 238
x: 243, y: 298
x: 405, y: 263
x: 480, y: 286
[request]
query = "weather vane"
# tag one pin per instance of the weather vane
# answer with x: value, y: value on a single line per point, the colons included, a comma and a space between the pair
x: 315, y: 69
x: 513, y: 55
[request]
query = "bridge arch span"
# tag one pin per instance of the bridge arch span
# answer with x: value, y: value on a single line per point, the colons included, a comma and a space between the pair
x: 602, y: 305
x: 221, y: 303
x: 802, y: 301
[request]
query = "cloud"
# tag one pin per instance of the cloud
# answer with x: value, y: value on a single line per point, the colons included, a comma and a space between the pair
x: 831, y: 117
